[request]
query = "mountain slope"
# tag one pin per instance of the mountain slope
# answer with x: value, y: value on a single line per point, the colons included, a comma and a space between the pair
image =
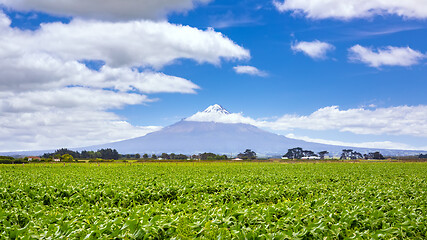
x: 190, y: 137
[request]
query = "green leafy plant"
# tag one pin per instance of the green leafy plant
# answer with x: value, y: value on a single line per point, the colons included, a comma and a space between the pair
x: 213, y: 201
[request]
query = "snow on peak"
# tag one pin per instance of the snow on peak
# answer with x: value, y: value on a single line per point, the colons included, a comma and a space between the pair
x: 216, y: 109
x: 216, y: 113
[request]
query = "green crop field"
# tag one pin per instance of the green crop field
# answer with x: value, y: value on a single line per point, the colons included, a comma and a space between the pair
x: 214, y: 201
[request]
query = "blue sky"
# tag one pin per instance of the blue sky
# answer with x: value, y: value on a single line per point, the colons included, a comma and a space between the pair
x: 344, y: 77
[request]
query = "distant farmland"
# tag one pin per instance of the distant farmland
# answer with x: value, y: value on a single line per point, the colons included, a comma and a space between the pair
x: 213, y: 201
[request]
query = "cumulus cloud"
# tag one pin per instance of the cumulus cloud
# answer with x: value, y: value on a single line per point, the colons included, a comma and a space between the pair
x: 49, y: 98
x: 51, y: 56
x: 106, y: 9
x: 249, y: 70
x: 136, y: 43
x: 349, y: 9
x: 38, y: 71
x: 388, y: 56
x: 382, y: 144
x: 315, y: 49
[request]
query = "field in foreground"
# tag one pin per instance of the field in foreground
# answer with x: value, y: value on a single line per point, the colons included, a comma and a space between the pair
x: 214, y: 200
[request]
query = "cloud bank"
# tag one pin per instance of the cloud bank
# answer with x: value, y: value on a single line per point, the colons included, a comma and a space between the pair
x: 399, y: 121
x: 106, y: 9
x: 349, y: 9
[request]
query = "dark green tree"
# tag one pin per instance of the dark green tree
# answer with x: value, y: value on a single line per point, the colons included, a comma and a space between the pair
x: 374, y: 155
x: 322, y: 154
x: 84, y: 154
x: 350, y: 154
x: 248, y: 154
x: 67, y: 158
x: 294, y: 153
x: 181, y: 156
x: 108, y: 154
x: 308, y: 153
x: 61, y: 152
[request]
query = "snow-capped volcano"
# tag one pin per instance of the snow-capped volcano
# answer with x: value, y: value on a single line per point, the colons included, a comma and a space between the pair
x: 216, y: 108
x: 219, y: 131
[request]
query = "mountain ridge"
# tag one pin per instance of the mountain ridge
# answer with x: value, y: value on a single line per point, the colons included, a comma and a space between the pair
x: 191, y: 137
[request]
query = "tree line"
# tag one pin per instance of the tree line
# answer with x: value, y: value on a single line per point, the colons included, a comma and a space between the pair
x: 62, y: 153
x: 112, y: 154
x: 10, y: 160
x: 299, y: 153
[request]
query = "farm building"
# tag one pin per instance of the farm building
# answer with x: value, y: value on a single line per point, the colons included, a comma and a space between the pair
x: 33, y: 158
x: 310, y: 158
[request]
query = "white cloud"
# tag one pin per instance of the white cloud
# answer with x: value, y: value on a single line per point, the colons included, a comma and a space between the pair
x: 401, y: 120
x: 106, y: 9
x: 349, y: 9
x: 135, y: 43
x: 382, y: 144
x: 249, y: 70
x: 39, y: 71
x: 64, y: 128
x: 50, y: 57
x: 221, y: 117
x: 50, y: 99
x: 4, y: 21
x: 315, y: 49
x: 65, y: 117
x: 231, y: 19
x: 388, y: 56
x: 69, y: 99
